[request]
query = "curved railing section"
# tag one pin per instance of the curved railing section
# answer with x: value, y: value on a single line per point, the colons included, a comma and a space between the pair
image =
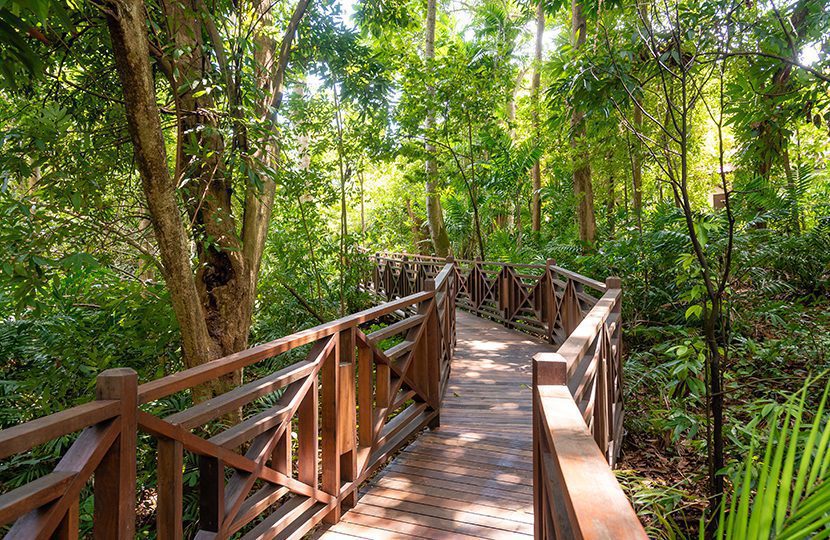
x: 577, y: 391
x: 355, y: 398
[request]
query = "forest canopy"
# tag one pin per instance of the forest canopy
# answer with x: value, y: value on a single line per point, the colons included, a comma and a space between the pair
x: 184, y: 179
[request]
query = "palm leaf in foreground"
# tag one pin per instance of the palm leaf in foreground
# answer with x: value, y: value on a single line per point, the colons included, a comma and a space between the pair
x: 791, y: 498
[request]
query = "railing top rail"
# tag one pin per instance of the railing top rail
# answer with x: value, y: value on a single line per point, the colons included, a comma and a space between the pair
x: 23, y: 437
x: 598, y: 504
x: 443, y: 275
x: 594, y: 284
x: 429, y: 259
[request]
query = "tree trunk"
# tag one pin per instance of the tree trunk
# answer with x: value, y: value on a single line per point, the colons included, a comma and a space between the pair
x: 509, y: 217
x: 711, y: 325
x: 637, y: 169
x: 611, y: 204
x: 127, y: 27
x: 213, y: 307
x: 435, y: 214
x: 582, y: 168
x: 536, y: 170
x: 222, y: 278
x: 416, y: 226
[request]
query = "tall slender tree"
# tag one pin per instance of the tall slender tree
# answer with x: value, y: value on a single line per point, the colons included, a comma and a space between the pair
x: 435, y: 214
x: 582, y: 167
x: 536, y: 172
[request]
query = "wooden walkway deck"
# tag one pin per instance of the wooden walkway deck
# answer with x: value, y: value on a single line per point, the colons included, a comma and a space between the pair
x: 472, y: 477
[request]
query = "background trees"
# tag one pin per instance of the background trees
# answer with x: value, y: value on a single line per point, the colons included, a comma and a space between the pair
x: 182, y: 179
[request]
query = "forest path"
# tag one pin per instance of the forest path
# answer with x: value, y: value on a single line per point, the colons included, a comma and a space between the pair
x: 473, y: 476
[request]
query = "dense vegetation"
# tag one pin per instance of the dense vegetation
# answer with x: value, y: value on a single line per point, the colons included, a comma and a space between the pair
x: 183, y: 179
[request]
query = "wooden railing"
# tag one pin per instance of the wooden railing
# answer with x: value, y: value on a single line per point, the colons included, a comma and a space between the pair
x: 276, y: 455
x: 48, y: 507
x: 541, y: 299
x: 577, y: 391
x: 280, y: 453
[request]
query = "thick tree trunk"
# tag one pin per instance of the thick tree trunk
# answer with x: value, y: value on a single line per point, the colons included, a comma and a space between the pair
x: 435, y: 214
x: 222, y: 279
x: 536, y: 170
x: 271, y: 75
x: 583, y: 188
x: 213, y: 307
x: 416, y: 226
x: 127, y: 27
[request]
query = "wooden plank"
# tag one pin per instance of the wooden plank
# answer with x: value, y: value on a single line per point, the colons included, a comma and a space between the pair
x: 211, y: 493
x: 601, y: 508
x: 395, y: 328
x: 236, y: 398
x: 307, y: 436
x: 24, y: 437
x: 160, y: 428
x: 449, y: 508
x: 69, y: 527
x: 256, y: 504
x: 81, y: 459
x: 170, y: 489
x: 330, y: 434
x: 33, y: 495
x: 446, y: 496
x: 274, y: 524
x: 459, y: 515
x: 260, y: 423
x: 346, y: 530
x: 209, y: 371
x: 393, y: 526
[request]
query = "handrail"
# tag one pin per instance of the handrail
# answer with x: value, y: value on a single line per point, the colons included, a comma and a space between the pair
x: 579, y: 496
x: 105, y: 449
x: 334, y: 418
x: 208, y: 371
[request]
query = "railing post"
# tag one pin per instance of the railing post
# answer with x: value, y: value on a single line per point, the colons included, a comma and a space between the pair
x: 331, y: 434
x: 376, y: 276
x: 452, y: 291
x: 347, y: 415
x: 615, y: 371
x: 505, y: 300
x: 548, y: 369
x: 477, y: 289
x: 115, y: 477
x: 432, y: 334
x: 551, y: 304
x: 169, y: 489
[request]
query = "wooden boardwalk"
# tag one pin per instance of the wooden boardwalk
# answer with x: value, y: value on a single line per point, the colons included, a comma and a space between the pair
x: 472, y: 477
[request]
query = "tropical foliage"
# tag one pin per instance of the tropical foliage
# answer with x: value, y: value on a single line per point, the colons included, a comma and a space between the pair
x: 181, y: 180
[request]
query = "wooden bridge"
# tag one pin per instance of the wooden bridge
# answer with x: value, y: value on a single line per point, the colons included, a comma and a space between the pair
x: 515, y: 371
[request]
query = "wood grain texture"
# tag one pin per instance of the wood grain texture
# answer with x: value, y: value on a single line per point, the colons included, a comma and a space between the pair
x: 471, y: 477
